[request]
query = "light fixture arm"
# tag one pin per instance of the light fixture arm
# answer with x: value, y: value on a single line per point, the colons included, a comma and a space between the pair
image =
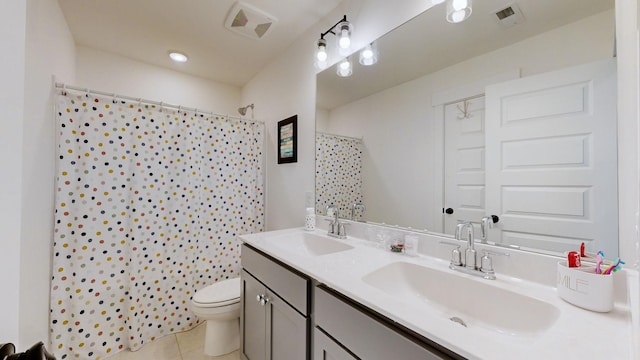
x: 322, y: 35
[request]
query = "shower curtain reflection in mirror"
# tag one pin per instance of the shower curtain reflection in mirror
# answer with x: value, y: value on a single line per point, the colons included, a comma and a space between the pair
x: 149, y: 201
x: 338, y: 173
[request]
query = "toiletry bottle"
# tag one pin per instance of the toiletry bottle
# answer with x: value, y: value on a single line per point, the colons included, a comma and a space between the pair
x: 411, y: 245
x: 310, y: 220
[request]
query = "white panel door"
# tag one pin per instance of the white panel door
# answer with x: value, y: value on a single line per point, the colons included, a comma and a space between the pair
x: 551, y: 169
x: 464, y: 132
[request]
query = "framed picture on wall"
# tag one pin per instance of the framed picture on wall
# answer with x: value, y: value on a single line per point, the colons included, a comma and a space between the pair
x: 288, y: 140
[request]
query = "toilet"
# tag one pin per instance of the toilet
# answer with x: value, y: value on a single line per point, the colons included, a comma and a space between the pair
x: 219, y: 305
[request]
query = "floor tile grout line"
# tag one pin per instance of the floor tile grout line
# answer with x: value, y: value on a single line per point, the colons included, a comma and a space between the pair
x: 175, y: 336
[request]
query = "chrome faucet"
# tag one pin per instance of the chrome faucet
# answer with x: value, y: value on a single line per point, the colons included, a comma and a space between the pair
x: 470, y: 253
x: 487, y: 223
x: 336, y: 228
x: 353, y: 210
x: 470, y: 265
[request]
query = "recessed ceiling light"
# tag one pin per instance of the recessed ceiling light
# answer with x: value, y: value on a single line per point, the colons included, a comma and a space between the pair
x: 178, y: 56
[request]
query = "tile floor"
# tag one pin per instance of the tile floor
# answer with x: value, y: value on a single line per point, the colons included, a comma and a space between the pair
x: 188, y: 345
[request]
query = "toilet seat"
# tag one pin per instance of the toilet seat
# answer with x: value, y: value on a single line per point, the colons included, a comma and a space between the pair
x: 222, y: 293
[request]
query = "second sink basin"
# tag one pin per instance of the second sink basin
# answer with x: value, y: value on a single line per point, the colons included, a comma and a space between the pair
x: 309, y: 244
x: 467, y: 301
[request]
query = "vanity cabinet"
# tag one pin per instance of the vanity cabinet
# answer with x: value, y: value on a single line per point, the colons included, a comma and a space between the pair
x: 324, y: 348
x: 346, y: 330
x: 277, y: 319
x: 274, y: 317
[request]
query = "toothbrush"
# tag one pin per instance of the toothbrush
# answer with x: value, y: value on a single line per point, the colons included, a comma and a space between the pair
x: 613, y: 267
x: 599, y: 262
x: 608, y: 271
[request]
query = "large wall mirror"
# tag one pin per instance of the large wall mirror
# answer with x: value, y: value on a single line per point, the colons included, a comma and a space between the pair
x: 456, y: 122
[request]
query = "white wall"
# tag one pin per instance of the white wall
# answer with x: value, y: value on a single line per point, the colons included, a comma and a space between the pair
x: 49, y: 51
x: 628, y: 128
x: 12, y: 27
x: 286, y: 87
x: 402, y: 118
x: 103, y: 71
x: 322, y: 120
x: 628, y: 38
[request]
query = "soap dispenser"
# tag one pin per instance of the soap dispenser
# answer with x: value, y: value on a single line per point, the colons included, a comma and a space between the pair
x: 310, y: 220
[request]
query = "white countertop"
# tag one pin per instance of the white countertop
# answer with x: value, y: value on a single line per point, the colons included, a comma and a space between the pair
x: 576, y: 334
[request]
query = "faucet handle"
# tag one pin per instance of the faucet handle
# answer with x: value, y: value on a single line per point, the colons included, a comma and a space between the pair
x: 341, y: 230
x: 456, y: 257
x: 332, y: 225
x: 495, y: 253
x: 486, y: 263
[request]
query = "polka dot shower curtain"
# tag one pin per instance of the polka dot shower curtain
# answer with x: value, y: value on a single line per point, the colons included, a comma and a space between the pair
x: 338, y: 173
x: 149, y: 201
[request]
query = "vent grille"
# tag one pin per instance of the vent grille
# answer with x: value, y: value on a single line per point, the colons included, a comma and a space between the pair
x: 240, y: 19
x: 510, y: 16
x: 505, y: 13
x: 249, y: 21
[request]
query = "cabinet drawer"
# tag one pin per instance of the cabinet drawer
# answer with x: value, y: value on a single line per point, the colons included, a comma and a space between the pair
x: 289, y: 285
x: 368, y: 335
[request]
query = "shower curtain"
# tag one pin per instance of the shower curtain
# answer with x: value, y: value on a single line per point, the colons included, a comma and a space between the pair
x: 338, y: 173
x: 149, y: 201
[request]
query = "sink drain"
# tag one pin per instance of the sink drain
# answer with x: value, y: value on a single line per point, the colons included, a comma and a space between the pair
x: 456, y: 319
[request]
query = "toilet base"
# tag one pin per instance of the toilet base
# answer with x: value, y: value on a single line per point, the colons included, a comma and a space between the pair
x: 222, y: 337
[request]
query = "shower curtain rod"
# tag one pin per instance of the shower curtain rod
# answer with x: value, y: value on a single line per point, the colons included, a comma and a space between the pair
x: 340, y: 136
x: 63, y: 86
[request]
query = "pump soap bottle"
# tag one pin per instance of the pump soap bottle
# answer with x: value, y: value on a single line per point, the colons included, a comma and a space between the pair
x: 310, y: 220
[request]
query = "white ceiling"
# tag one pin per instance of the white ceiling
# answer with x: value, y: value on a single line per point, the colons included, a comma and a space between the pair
x: 145, y: 30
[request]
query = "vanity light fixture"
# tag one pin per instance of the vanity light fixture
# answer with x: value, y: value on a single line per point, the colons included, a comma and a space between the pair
x: 458, y: 10
x: 369, y: 55
x: 342, y: 29
x: 345, y: 68
x: 178, y: 56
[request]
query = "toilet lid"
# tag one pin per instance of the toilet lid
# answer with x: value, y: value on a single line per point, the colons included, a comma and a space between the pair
x: 221, y: 293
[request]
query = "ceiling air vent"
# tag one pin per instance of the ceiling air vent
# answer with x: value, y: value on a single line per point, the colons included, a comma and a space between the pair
x: 246, y: 20
x: 510, y: 16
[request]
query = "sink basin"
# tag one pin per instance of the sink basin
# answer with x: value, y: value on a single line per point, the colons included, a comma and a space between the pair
x: 309, y: 244
x: 467, y: 301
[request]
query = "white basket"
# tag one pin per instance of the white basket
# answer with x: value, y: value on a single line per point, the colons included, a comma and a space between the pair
x: 584, y: 288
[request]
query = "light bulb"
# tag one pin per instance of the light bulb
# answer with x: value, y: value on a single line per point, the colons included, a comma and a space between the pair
x: 457, y: 16
x: 368, y: 55
x: 458, y: 10
x: 321, y: 55
x: 345, y: 41
x: 459, y: 4
x: 178, y: 57
x: 344, y: 38
x: 344, y: 68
